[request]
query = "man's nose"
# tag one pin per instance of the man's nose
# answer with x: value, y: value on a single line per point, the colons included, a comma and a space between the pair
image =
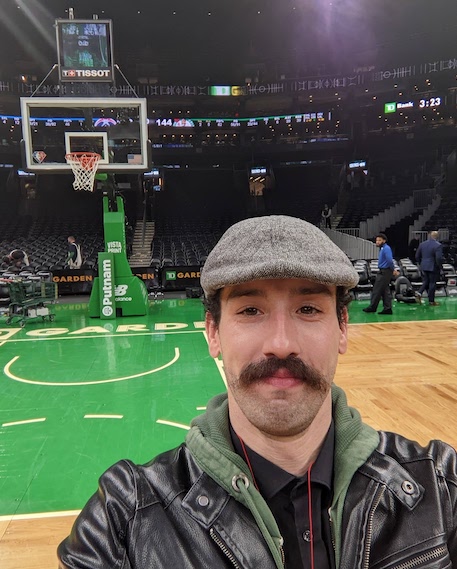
x: 281, y: 337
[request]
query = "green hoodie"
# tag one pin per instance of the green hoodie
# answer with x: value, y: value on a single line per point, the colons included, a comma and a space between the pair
x: 210, y: 444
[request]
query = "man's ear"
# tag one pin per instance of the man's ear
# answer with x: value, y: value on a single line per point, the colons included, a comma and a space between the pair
x: 212, y: 332
x: 343, y: 344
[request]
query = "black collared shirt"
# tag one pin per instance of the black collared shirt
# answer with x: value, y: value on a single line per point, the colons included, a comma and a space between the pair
x: 287, y: 497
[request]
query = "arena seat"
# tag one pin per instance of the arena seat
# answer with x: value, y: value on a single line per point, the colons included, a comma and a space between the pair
x: 411, y: 271
x: 362, y: 290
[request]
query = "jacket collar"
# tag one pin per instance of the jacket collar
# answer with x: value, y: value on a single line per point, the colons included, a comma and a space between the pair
x: 209, y: 442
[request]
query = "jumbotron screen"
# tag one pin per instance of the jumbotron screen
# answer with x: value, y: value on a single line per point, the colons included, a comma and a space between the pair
x: 84, y: 49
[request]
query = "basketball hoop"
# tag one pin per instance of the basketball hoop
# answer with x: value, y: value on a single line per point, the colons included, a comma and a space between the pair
x: 84, y: 166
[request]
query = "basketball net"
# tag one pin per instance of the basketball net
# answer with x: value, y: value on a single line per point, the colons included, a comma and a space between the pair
x: 84, y: 166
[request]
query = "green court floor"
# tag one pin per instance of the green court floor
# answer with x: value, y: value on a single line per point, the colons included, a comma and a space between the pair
x: 402, y: 312
x: 79, y: 394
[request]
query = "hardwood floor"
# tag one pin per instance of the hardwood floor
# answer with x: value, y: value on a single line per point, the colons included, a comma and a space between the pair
x: 32, y: 543
x: 401, y: 376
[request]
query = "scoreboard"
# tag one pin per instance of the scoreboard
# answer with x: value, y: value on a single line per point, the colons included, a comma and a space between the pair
x: 178, y: 123
x: 84, y: 50
x: 415, y: 103
x: 236, y: 123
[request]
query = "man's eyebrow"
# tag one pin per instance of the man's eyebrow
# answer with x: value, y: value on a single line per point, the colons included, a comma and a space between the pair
x: 246, y: 291
x: 315, y: 289
x: 238, y: 292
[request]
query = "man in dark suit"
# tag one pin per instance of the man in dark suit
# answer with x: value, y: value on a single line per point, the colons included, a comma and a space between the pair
x: 429, y: 255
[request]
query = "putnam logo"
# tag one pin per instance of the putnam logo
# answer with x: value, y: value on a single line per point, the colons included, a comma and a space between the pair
x: 107, y: 299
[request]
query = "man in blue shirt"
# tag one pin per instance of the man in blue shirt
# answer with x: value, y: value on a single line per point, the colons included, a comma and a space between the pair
x: 383, y: 278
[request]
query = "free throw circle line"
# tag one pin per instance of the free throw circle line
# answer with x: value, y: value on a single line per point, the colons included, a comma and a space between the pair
x: 11, y: 375
x: 173, y: 424
x: 103, y: 416
x: 24, y: 422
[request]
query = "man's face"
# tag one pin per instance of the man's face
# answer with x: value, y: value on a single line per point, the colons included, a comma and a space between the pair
x: 379, y: 241
x: 279, y: 341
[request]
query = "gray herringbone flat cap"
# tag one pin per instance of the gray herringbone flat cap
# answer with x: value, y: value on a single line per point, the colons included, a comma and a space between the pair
x: 275, y: 247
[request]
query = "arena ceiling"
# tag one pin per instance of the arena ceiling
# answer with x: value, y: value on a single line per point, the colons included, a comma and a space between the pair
x: 221, y: 40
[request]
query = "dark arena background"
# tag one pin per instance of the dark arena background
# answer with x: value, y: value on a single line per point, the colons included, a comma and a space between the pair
x: 254, y: 107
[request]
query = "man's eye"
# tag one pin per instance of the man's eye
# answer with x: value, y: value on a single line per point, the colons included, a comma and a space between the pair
x: 308, y: 310
x: 250, y: 311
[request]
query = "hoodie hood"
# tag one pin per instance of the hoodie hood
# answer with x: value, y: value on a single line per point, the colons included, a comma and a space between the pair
x: 210, y: 444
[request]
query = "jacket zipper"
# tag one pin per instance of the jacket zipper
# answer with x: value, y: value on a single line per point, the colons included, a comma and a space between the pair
x: 281, y: 551
x: 225, y: 550
x: 332, y: 529
x: 379, y: 494
x: 417, y: 561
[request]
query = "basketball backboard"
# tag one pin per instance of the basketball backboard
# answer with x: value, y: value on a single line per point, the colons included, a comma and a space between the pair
x: 117, y: 129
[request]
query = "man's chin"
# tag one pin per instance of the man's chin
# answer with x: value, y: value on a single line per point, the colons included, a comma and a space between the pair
x: 277, y: 427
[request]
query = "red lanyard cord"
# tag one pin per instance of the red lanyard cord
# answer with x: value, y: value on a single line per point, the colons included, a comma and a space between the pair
x: 310, y: 518
x: 248, y: 462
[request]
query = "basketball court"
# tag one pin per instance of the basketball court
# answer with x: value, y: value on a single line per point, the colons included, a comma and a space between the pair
x: 79, y: 394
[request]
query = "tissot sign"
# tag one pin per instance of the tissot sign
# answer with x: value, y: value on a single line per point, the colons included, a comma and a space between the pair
x: 85, y: 50
x: 73, y: 74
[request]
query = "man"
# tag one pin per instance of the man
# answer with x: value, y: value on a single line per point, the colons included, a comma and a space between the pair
x: 279, y: 472
x: 404, y: 291
x: 74, y: 259
x: 384, y: 276
x: 17, y: 258
x: 326, y: 217
x: 429, y: 255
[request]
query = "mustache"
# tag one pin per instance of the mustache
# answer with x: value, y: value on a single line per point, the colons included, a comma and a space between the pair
x: 256, y: 371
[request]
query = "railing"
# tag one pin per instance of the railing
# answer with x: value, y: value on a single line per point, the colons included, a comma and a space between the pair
x: 443, y: 235
x: 426, y: 215
x: 386, y: 218
x: 422, y: 198
x: 354, y: 247
x: 354, y: 231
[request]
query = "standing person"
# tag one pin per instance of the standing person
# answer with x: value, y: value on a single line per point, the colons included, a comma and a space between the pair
x: 381, y: 288
x: 279, y: 471
x: 326, y: 216
x: 429, y: 255
x: 74, y: 259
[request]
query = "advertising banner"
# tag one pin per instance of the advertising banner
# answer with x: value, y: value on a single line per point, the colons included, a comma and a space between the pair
x: 74, y: 281
x: 180, y: 277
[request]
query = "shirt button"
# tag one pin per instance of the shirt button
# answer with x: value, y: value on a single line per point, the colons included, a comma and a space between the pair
x: 306, y: 535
